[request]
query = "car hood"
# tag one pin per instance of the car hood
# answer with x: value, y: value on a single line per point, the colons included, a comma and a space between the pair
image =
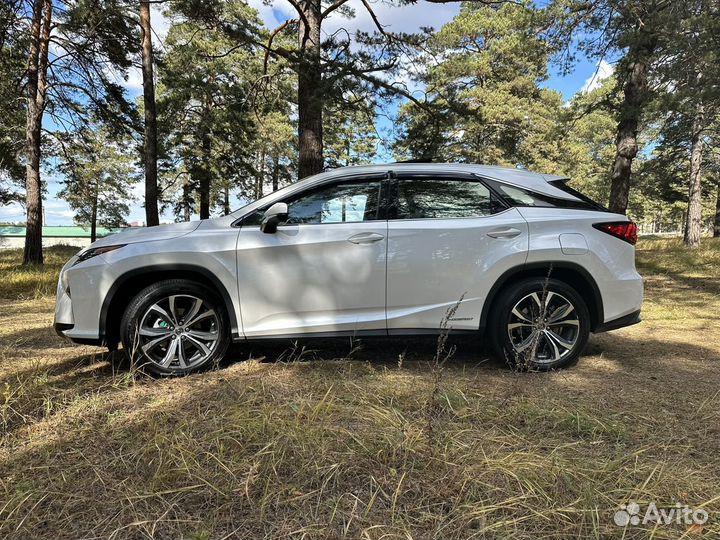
x: 148, y: 234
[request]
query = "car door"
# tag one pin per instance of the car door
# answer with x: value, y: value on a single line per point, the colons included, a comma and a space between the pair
x: 323, y: 271
x: 449, y: 239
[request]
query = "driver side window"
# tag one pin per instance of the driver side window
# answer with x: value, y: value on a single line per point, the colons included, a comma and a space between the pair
x: 350, y: 202
x: 340, y: 203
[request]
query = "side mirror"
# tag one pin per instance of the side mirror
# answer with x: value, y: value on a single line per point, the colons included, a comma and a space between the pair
x: 274, y: 216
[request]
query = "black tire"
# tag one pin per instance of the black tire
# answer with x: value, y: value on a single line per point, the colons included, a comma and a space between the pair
x: 159, y: 310
x: 542, y: 348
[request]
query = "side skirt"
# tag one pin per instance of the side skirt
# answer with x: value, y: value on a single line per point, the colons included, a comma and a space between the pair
x: 357, y: 333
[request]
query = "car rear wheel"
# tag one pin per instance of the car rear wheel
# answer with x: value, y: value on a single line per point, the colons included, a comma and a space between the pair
x: 540, y: 324
x: 175, y: 327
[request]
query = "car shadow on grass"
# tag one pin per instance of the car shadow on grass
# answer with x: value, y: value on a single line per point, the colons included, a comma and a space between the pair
x: 377, y: 350
x: 618, y: 350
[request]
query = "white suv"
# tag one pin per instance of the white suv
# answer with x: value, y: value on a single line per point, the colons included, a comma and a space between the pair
x: 377, y: 250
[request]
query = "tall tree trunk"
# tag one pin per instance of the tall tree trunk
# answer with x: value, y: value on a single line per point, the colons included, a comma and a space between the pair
x: 150, y: 150
x: 635, y: 96
x: 716, y: 224
x: 693, y: 225
x: 226, y: 200
x: 260, y: 180
x: 205, y: 173
x: 36, y: 91
x: 93, y: 214
x: 275, y: 171
x: 186, y: 198
x: 310, y: 94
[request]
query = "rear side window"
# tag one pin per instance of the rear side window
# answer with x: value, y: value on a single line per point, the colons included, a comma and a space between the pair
x: 516, y: 196
x: 427, y: 198
x: 562, y: 185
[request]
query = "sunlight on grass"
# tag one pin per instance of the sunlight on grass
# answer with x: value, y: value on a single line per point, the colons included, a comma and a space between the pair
x: 681, y: 283
x: 670, y: 256
x: 34, y: 281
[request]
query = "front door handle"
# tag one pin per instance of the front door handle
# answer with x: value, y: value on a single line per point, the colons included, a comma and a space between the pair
x: 505, y: 232
x: 366, y: 238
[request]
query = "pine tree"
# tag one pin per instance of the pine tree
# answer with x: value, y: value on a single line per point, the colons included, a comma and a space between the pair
x: 91, y: 41
x: 12, y: 107
x: 98, y: 177
x: 637, y: 31
x: 485, y: 99
x: 150, y: 140
x: 210, y: 98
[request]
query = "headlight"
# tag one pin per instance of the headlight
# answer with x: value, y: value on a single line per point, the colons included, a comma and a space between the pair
x: 64, y: 282
x: 92, y: 252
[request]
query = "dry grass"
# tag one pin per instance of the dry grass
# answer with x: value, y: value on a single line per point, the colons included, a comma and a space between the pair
x: 339, y: 447
x: 22, y: 282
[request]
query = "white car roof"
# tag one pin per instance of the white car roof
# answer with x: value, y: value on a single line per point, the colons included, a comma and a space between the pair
x: 505, y: 174
x: 518, y: 177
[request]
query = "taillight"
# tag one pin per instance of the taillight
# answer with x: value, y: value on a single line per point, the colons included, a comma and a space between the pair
x: 624, y: 230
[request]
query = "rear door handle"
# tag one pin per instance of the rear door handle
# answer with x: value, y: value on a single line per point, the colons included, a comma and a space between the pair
x: 366, y: 238
x: 505, y: 232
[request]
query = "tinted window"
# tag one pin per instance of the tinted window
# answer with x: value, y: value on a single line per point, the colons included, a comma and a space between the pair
x: 340, y: 203
x: 430, y: 198
x: 523, y: 197
x: 562, y: 185
x: 253, y: 219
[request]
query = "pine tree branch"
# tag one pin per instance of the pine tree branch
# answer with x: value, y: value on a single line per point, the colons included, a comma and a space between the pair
x: 332, y: 8
x: 379, y: 26
x: 272, y: 37
x: 484, y: 2
x: 301, y: 13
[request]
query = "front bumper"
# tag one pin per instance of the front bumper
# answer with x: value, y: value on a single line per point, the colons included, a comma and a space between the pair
x: 80, y: 291
x: 61, y: 328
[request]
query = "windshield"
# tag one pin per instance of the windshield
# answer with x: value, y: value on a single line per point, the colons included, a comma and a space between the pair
x: 259, y: 202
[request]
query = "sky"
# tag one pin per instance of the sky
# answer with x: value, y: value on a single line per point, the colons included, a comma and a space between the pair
x: 409, y: 18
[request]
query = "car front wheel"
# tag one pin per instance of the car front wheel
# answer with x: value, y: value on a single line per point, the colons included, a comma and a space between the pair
x: 175, y: 327
x: 540, y: 324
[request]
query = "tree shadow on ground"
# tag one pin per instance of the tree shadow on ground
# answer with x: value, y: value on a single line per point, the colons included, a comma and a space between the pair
x: 210, y: 450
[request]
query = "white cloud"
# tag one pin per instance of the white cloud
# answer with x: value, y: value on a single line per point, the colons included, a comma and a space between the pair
x: 63, y: 214
x: 160, y: 23
x: 134, y: 79
x: 406, y: 18
x: 12, y: 212
x: 273, y: 14
x: 603, y: 70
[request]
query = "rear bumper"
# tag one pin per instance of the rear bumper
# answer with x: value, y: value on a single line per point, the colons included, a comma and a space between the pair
x: 620, y: 322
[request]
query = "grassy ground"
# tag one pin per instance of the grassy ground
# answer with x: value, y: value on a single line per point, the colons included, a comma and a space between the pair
x: 370, y: 441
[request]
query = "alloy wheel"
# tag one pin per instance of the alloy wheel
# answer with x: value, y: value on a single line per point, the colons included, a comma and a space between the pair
x: 179, y: 331
x: 543, y: 327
